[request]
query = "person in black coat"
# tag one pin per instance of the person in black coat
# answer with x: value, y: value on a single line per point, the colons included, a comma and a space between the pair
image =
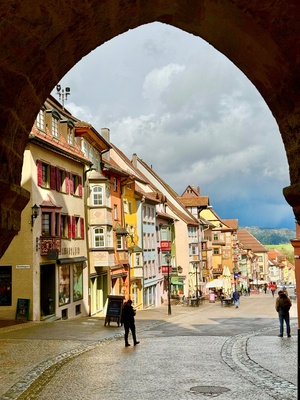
x: 128, y: 314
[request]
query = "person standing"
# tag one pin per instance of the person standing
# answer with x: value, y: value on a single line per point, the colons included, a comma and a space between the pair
x: 127, y: 318
x: 283, y: 305
x: 236, y: 298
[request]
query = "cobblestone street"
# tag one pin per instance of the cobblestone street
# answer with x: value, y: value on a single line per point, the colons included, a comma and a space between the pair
x: 210, y: 351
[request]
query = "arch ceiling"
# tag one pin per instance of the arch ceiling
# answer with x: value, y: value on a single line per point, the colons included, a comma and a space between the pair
x: 41, y: 41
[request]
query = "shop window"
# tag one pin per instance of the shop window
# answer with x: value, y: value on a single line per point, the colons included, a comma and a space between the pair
x: 77, y: 282
x: 5, y: 285
x: 64, y: 284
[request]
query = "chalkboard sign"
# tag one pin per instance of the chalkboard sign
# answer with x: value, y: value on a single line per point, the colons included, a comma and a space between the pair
x: 114, y: 309
x: 23, y: 309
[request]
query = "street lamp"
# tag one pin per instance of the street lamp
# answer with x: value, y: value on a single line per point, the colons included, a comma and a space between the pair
x: 168, y: 258
x: 195, y: 265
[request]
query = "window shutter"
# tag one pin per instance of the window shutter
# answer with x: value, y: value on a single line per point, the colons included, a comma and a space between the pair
x: 73, y: 227
x: 80, y: 186
x: 71, y: 184
x: 52, y: 177
x: 39, y: 173
x: 67, y: 180
x: 58, y: 181
x: 82, y: 228
x: 69, y: 227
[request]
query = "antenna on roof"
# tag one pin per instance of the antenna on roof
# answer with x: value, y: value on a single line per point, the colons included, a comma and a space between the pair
x: 63, y: 94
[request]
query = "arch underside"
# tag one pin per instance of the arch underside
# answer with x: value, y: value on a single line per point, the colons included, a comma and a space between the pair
x: 41, y: 42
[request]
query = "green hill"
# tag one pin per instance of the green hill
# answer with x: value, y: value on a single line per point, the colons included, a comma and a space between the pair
x: 271, y: 236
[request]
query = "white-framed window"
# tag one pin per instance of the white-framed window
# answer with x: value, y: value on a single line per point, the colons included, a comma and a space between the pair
x: 97, y: 196
x: 192, y: 231
x: 102, y: 236
x: 40, y: 120
x: 70, y: 136
x: 165, y: 233
x: 125, y: 206
x: 84, y: 148
x: 119, y: 242
x: 194, y: 250
x: 99, y: 237
x: 115, y: 211
x: 54, y: 127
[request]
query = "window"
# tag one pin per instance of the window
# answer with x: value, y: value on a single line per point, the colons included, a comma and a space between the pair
x: 164, y: 233
x: 77, y: 282
x: 97, y: 196
x: 64, y: 284
x: 216, y: 237
x: 46, y: 224
x: 5, y: 286
x: 64, y: 226
x: 137, y: 259
x: 216, y: 251
x: 129, y: 207
x: 115, y: 183
x: 70, y: 137
x: 43, y: 174
x: 194, y: 251
x: 119, y: 242
x: 85, y: 148
x: 125, y: 206
x: 54, y: 128
x: 61, y: 185
x: 192, y: 231
x: 115, y: 212
x: 99, y: 238
x: 40, y: 120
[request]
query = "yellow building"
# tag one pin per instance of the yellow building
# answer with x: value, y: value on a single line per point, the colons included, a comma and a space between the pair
x: 46, y: 262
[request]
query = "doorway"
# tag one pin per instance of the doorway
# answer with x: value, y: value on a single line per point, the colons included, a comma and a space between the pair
x: 47, y: 293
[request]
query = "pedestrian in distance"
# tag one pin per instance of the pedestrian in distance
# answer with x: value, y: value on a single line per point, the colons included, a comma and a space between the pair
x: 236, y: 298
x: 283, y: 305
x: 127, y: 318
x: 272, y: 287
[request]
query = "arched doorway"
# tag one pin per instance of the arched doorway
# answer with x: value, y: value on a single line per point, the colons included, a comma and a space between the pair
x: 43, y: 42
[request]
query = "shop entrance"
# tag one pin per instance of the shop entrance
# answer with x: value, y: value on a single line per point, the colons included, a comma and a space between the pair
x: 47, y: 287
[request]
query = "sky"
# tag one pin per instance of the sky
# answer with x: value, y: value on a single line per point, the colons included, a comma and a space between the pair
x: 191, y: 114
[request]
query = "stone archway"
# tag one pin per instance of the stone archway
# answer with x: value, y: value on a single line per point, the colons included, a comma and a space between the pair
x: 41, y: 42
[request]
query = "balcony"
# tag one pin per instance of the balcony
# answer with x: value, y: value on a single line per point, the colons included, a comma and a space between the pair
x: 49, y: 243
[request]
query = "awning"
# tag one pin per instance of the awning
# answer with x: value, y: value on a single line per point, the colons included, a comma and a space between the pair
x: 177, y: 283
x: 70, y: 260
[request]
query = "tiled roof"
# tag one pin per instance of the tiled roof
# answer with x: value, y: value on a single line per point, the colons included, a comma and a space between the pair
x: 194, y: 201
x: 233, y: 223
x: 250, y: 242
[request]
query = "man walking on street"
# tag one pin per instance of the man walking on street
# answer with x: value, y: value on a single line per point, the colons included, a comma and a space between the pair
x: 127, y: 318
x: 283, y: 305
x: 236, y: 298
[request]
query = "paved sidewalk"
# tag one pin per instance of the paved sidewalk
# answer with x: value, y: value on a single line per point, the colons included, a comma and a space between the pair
x: 27, y: 350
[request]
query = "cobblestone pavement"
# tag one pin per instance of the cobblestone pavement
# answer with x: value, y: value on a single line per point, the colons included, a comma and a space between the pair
x: 210, y: 351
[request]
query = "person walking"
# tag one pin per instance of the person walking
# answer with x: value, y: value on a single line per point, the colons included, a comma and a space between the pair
x: 127, y: 318
x: 236, y: 298
x: 283, y: 305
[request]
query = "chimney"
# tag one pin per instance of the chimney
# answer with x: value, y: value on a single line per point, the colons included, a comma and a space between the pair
x: 198, y: 190
x: 134, y: 160
x: 105, y: 132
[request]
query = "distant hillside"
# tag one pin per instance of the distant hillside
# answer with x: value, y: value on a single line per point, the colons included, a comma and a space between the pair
x: 271, y: 236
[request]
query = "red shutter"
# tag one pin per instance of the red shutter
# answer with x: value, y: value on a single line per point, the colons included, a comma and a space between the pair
x: 39, y: 173
x: 52, y: 177
x: 73, y: 227
x: 67, y: 182
x: 71, y: 184
x: 80, y: 186
x: 82, y: 228
x: 58, y: 180
x: 69, y: 227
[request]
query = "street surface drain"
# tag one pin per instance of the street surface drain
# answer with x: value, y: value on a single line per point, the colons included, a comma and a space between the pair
x: 212, y: 391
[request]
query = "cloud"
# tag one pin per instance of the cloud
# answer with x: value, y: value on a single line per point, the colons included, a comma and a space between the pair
x: 189, y: 112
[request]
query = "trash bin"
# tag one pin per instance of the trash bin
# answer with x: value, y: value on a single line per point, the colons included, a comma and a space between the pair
x: 212, y: 297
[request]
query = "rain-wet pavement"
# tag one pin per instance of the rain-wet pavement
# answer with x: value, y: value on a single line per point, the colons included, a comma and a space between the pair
x: 196, y: 353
